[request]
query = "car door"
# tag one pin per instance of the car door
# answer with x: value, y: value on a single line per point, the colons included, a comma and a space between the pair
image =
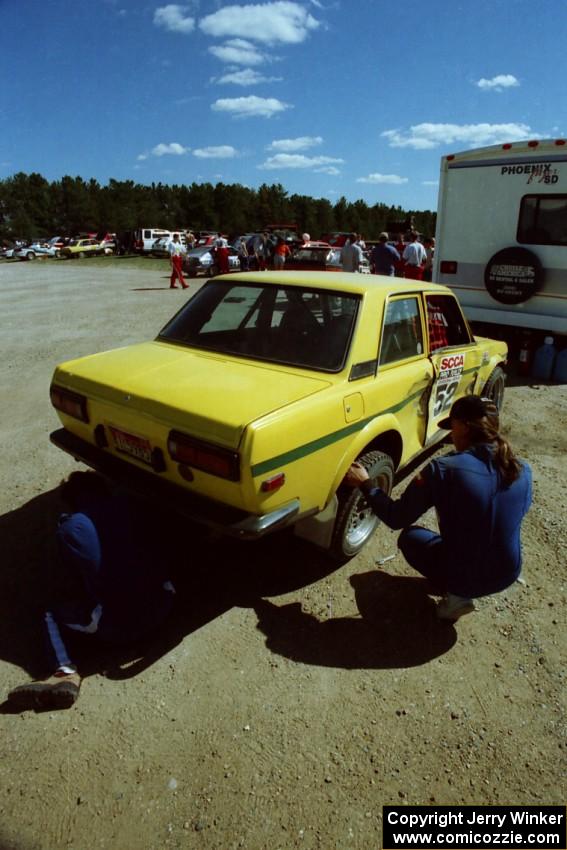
x: 453, y: 353
x: 405, y: 373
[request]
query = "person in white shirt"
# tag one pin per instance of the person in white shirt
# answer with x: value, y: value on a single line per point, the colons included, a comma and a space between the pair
x: 414, y: 257
x: 176, y: 252
x: 351, y: 255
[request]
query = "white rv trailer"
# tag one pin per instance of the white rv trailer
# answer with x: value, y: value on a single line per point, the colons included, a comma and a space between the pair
x: 501, y: 237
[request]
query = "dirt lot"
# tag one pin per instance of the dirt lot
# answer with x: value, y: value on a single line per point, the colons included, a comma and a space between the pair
x: 286, y: 703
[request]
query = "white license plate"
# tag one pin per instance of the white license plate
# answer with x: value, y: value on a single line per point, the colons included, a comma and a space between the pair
x: 129, y: 444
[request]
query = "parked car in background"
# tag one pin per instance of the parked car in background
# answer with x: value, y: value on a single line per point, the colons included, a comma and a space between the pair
x: 160, y: 246
x: 201, y: 261
x: 7, y: 250
x: 249, y: 407
x: 336, y: 238
x: 318, y: 256
x: 206, y: 239
x: 145, y: 237
x: 82, y: 248
x: 36, y: 249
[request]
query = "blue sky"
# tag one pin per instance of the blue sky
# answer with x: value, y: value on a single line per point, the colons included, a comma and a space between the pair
x: 327, y: 98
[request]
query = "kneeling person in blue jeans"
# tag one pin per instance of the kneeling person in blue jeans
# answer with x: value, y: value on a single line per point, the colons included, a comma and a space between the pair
x: 481, y: 492
x: 125, y: 589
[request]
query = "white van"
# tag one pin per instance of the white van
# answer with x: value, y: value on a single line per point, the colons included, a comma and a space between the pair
x: 145, y: 237
x: 501, y: 238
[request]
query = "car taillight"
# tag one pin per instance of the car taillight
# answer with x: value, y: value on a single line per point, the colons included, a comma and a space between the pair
x: 204, y: 456
x: 448, y: 267
x: 69, y: 402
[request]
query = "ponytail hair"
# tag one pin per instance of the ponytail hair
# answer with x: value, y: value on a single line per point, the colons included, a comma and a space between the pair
x: 486, y: 430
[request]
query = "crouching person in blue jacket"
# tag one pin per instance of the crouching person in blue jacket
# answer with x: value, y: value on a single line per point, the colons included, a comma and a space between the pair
x: 481, y: 492
x: 109, y: 548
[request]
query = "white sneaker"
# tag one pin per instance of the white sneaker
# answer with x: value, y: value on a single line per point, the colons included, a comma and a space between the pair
x: 453, y: 607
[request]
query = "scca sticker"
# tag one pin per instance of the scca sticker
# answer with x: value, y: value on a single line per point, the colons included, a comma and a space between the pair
x: 452, y: 362
x: 450, y: 372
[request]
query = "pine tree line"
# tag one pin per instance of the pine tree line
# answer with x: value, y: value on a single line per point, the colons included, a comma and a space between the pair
x: 31, y: 207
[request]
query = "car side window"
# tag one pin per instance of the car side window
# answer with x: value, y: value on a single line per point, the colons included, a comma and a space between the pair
x: 402, y: 335
x: 445, y: 323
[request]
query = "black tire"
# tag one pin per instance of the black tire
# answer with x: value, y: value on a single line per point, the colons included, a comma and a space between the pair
x: 81, y: 255
x: 30, y: 255
x: 355, y: 522
x: 495, y: 386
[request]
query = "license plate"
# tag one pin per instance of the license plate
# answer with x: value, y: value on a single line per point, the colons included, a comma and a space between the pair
x: 131, y: 445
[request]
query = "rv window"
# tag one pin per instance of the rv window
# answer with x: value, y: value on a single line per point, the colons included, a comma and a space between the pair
x: 445, y: 323
x: 543, y: 220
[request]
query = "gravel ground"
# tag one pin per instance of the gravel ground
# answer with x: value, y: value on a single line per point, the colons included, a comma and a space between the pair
x: 287, y: 702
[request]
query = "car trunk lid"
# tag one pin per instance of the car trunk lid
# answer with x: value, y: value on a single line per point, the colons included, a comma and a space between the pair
x: 207, y: 395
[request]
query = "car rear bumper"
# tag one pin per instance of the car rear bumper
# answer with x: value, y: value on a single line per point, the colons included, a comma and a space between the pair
x: 222, y: 518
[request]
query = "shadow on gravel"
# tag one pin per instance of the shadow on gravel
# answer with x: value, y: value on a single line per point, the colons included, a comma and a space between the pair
x: 397, y: 627
x: 211, y: 575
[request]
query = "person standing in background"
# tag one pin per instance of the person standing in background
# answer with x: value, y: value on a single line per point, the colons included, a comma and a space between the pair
x: 281, y: 252
x: 429, y: 245
x: 351, y: 255
x: 242, y: 251
x: 384, y: 257
x: 176, y: 254
x: 400, y: 247
x: 414, y: 257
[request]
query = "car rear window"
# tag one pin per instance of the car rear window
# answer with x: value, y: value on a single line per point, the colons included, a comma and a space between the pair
x: 308, y: 328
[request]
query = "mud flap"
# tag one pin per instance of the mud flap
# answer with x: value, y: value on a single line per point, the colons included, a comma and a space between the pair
x: 318, y: 529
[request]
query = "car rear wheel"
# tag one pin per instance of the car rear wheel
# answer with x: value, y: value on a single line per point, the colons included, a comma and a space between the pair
x: 495, y: 386
x: 81, y: 255
x: 30, y: 255
x: 356, y: 522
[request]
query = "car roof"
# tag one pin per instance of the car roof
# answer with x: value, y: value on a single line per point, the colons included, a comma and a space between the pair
x: 340, y: 281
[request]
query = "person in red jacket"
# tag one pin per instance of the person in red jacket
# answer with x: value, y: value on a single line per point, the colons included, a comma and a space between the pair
x: 281, y: 252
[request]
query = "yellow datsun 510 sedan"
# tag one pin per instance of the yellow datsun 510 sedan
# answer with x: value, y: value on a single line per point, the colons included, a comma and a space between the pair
x: 248, y: 408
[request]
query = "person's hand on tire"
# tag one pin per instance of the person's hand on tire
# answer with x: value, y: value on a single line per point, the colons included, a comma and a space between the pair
x: 356, y: 475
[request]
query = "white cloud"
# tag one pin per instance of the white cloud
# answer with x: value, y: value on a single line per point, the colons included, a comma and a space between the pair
x: 173, y: 19
x: 327, y: 169
x: 173, y: 148
x: 430, y: 182
x: 245, y: 77
x: 498, y: 83
x: 282, y: 21
x: 252, y: 106
x: 392, y: 179
x: 300, y: 144
x: 237, y: 51
x: 215, y: 152
x: 427, y: 136
x: 288, y: 160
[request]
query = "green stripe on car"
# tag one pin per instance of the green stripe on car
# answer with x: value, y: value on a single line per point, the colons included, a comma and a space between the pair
x: 326, y: 440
